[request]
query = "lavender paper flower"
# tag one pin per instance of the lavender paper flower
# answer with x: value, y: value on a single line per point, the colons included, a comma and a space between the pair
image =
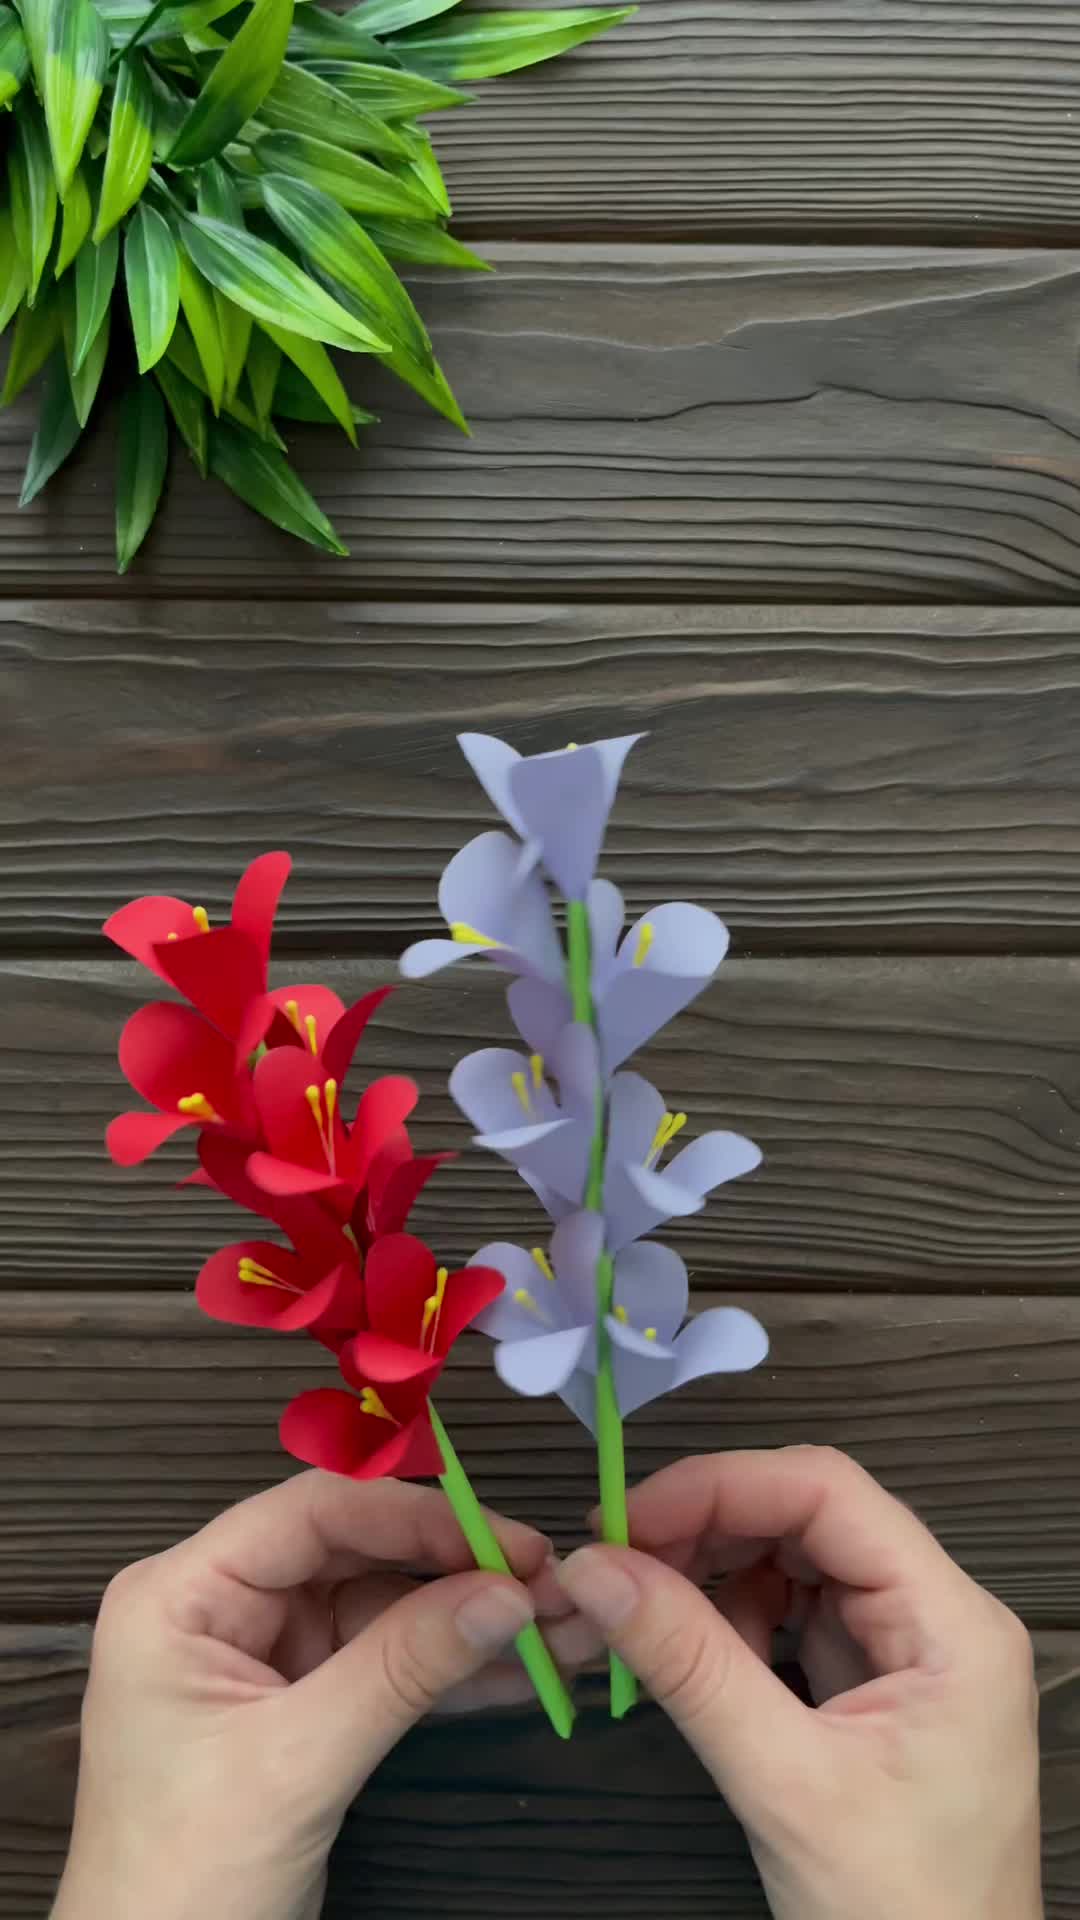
x: 492, y: 909
x: 558, y: 802
x: 545, y: 1134
x: 638, y: 1193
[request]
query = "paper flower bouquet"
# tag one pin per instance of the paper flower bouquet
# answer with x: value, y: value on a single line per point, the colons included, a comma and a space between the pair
x: 258, y: 1075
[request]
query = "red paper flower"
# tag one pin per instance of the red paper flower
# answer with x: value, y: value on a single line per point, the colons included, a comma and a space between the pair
x: 188, y: 1071
x: 415, y: 1311
x: 256, y: 1283
x: 309, y: 1149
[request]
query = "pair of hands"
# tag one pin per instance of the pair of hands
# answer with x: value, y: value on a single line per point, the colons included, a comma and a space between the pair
x: 246, y: 1684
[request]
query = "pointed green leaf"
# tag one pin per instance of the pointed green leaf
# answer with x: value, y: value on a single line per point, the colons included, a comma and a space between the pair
x: 300, y: 102
x: 84, y: 377
x: 384, y: 90
x: 58, y: 430
x: 78, y: 217
x: 181, y: 352
x: 474, y: 46
x: 12, y: 271
x: 264, y: 479
x: 429, y: 382
x: 123, y: 18
x: 95, y: 277
x: 14, y: 56
x: 76, y: 61
x: 152, y: 272
x: 142, y: 458
x: 423, y: 167
x: 200, y: 313
x: 316, y: 366
x: 37, y: 332
x: 130, y: 152
x: 296, y: 399
x: 169, y: 111
x: 264, y: 362
x: 35, y: 23
x: 33, y: 192
x: 423, y: 246
x: 218, y: 198
x: 390, y: 16
x: 237, y: 85
x: 327, y: 36
x: 267, y: 284
x: 348, y: 178
x: 235, y: 325
x: 341, y: 249
x: 188, y: 408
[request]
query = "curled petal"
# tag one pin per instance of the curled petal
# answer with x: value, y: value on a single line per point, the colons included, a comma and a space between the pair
x: 255, y: 901
x: 483, y: 890
x: 506, y: 1318
x: 651, y: 1287
x: 491, y: 761
x: 607, y: 912
x: 543, y: 1364
x: 540, y: 1010
x: 328, y: 1428
x: 220, y: 972
x: 576, y: 1246
x: 722, y: 1340
x: 143, y: 925
x: 564, y: 800
x: 426, y: 957
x: 132, y: 1137
x: 663, y: 964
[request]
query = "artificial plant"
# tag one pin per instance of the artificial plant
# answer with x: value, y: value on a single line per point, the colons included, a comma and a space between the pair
x: 216, y: 192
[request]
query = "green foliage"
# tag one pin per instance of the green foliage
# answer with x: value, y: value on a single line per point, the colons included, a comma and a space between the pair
x: 255, y: 165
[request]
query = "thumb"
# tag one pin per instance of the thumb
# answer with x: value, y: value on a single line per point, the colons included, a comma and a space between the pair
x: 354, y: 1708
x: 737, y: 1715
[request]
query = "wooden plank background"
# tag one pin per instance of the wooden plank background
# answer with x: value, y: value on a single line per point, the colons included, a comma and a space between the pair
x: 776, y: 406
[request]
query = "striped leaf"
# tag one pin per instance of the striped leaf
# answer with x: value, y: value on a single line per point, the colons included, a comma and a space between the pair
x: 263, y: 367
x: 235, y: 325
x: 58, y: 429
x: 337, y: 246
x: 327, y: 36
x: 76, y: 61
x: 142, y: 460
x: 78, y: 218
x: 391, y: 16
x: 422, y: 166
x: 386, y: 91
x: 152, y: 273
x: 182, y: 354
x: 95, y: 278
x: 296, y: 399
x: 14, y: 56
x: 130, y: 152
x: 317, y: 367
x: 35, y: 24
x: 84, y: 376
x: 301, y: 102
x: 37, y: 332
x: 267, y: 285
x: 348, y: 178
x: 264, y: 479
x: 475, y: 46
x: 12, y: 270
x: 423, y: 246
x: 197, y: 300
x: 188, y: 408
x: 33, y: 193
x: 237, y: 85
x: 217, y: 195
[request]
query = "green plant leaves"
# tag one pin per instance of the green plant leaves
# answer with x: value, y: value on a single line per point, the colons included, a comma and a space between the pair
x: 200, y: 313
x: 142, y: 460
x: 130, y: 152
x: 301, y: 102
x: 188, y: 408
x: 12, y: 271
x: 266, y: 283
x: 329, y: 36
x: 78, y: 217
x: 475, y: 46
x: 152, y: 272
x: 319, y: 370
x: 386, y: 91
x: 37, y: 332
x: 423, y: 246
x: 84, y: 375
x: 296, y: 399
x: 58, y: 429
x: 33, y: 193
x: 95, y: 277
x: 237, y: 85
x: 390, y: 16
x: 14, y: 56
x: 348, y: 178
x: 264, y: 479
x: 76, y: 58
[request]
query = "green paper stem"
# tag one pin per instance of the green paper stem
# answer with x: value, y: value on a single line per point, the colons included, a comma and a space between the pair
x: 550, y: 1687
x: 610, y: 1455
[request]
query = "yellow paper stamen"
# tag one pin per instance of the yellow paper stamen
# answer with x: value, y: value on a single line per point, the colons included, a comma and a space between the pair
x: 536, y: 1062
x: 325, y: 1123
x: 521, y: 1088
x: 174, y: 936
x: 312, y: 1032
x: 292, y: 1008
x: 670, y: 1125
x: 196, y: 1106
x: 571, y: 746
x: 543, y: 1263
x: 201, y: 919
x: 644, y: 942
x: 370, y: 1403
x: 433, y: 1309
x: 621, y: 1316
x: 650, y: 1333
x: 467, y: 936
x: 331, y: 1100
x: 254, y: 1274
x: 523, y: 1298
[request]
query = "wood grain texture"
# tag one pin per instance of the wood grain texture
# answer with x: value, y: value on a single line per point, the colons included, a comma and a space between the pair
x: 659, y: 422
x: 919, y: 1120
x: 858, y: 776
x: 478, y: 1817
x: 127, y: 1420
x: 712, y: 117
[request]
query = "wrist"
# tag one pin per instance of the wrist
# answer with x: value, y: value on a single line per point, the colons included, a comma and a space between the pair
x: 180, y: 1885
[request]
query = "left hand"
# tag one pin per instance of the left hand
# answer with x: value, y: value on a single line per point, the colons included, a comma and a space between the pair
x: 245, y: 1684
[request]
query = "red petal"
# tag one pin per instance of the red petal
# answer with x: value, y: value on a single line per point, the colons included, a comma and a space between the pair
x: 399, y: 1277
x: 284, y: 1180
x: 314, y: 1002
x: 132, y: 1137
x: 145, y: 924
x: 168, y: 1052
x: 334, y: 1305
x: 222, y: 1294
x: 383, y: 1108
x: 280, y: 1084
x: 255, y: 901
x: 371, y: 1356
x: 220, y: 972
x: 402, y: 1190
x: 327, y: 1428
x: 341, y: 1044
x: 467, y: 1294
x: 423, y: 1460
x: 396, y: 1151
x: 314, y: 1232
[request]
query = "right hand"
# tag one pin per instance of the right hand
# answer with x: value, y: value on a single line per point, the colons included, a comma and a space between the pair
x: 912, y: 1789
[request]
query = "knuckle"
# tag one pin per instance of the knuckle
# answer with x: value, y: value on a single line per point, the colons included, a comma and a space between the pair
x: 122, y: 1595
x: 406, y: 1676
x: 687, y: 1669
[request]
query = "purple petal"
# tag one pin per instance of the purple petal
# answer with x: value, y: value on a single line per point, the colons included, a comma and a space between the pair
x: 491, y: 761
x: 635, y: 1110
x: 562, y: 799
x: 482, y: 890
x: 576, y: 1246
x: 723, y: 1340
x: 712, y: 1160
x: 639, y: 1380
x: 652, y: 1288
x: 612, y: 754
x: 539, y: 1011
x: 542, y: 1365
x: 688, y: 945
x: 629, y: 1340
x: 482, y: 1085
x: 430, y: 956
x: 555, y: 1205
x: 579, y: 1394
x: 506, y: 1319
x: 642, y: 1200
x: 607, y: 913
x: 576, y: 1065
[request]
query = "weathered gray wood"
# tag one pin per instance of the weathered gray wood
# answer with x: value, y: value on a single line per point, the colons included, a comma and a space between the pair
x: 710, y: 117
x: 792, y: 424
x: 919, y: 1121
x: 863, y: 776
x: 127, y: 1420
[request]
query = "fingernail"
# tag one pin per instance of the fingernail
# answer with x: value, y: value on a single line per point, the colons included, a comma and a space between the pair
x: 492, y: 1618
x: 598, y: 1587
